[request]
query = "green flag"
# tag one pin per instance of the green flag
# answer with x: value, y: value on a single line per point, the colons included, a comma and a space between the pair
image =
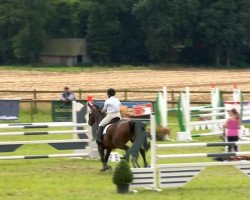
x: 157, y: 110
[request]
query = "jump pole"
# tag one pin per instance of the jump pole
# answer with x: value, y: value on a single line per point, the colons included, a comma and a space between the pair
x: 92, y: 150
x: 165, y: 111
x: 147, y: 177
x: 186, y: 110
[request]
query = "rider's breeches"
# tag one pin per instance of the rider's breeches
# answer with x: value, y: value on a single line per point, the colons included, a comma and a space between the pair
x: 109, y: 117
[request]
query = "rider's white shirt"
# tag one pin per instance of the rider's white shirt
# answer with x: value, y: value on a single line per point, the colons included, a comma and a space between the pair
x: 112, y: 105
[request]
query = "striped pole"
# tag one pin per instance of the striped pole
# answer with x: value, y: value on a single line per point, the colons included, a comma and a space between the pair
x: 153, y: 149
x: 165, y: 111
x: 206, y: 134
x: 218, y: 121
x: 43, y: 133
x: 44, y: 142
x: 37, y: 123
x: 202, y: 144
x: 42, y: 125
x: 245, y: 138
x: 187, y: 112
x: 204, y: 164
x: 57, y: 144
x: 209, y: 155
x: 208, y: 108
x: 208, y: 114
x: 43, y: 156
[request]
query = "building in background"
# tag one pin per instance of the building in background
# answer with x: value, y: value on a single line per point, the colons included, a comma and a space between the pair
x: 64, y: 51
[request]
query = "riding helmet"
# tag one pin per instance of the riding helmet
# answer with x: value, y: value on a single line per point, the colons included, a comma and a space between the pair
x: 111, y: 92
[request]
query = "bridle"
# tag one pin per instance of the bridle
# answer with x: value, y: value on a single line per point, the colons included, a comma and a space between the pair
x: 98, y: 116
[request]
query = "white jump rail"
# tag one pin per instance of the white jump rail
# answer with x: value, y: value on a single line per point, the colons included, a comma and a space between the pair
x: 43, y: 156
x: 44, y: 133
x: 81, y: 145
x: 44, y: 142
x: 41, y: 125
x: 178, y: 174
x: 201, y: 144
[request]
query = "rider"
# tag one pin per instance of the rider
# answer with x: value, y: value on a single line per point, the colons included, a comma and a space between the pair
x: 112, y: 108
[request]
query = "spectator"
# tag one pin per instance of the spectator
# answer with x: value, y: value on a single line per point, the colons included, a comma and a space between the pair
x: 233, y: 126
x: 67, y: 95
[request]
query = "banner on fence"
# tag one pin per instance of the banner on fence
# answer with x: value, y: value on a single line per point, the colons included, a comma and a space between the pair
x: 246, y: 112
x: 62, y: 112
x: 9, y: 109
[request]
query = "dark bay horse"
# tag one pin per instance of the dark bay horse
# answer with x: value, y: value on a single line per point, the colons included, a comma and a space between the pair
x: 118, y: 135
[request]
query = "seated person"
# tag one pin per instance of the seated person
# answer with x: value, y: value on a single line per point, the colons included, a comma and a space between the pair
x: 67, y: 95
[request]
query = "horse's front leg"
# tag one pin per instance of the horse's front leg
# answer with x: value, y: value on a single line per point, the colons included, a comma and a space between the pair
x: 106, y: 166
x: 127, y: 153
x: 101, y: 152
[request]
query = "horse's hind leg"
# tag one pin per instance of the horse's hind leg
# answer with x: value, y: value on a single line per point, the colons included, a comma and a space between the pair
x: 143, y: 154
x: 135, y: 162
x: 134, y: 156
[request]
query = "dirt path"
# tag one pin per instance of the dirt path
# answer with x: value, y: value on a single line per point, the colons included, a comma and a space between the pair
x: 136, y: 79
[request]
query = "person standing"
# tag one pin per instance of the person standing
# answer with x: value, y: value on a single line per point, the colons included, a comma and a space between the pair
x: 67, y: 95
x: 112, y: 109
x: 232, y: 129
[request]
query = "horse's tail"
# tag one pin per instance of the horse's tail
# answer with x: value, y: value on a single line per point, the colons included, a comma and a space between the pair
x: 140, y: 137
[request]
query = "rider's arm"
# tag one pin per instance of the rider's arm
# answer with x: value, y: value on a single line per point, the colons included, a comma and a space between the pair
x: 71, y: 97
x: 104, y: 109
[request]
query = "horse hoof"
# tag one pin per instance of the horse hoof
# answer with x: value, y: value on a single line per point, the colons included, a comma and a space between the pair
x: 109, y: 168
x: 103, y: 169
x: 146, y: 165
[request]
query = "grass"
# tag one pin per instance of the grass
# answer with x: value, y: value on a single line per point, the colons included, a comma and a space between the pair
x: 111, y: 67
x: 73, y: 179
x: 80, y: 179
x: 86, y: 68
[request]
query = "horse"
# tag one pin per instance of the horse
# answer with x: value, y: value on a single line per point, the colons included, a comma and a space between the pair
x: 117, y: 135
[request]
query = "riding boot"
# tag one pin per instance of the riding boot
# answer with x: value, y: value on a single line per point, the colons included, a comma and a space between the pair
x: 99, y: 135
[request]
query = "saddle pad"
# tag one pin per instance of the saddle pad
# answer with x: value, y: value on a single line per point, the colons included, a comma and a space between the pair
x: 105, y: 129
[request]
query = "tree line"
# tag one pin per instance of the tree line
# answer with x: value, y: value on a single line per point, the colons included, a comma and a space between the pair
x: 197, y: 32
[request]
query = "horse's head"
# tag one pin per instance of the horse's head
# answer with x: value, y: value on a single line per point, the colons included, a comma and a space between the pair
x: 95, y: 116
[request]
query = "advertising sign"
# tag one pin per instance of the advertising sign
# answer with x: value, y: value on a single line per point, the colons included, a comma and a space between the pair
x: 62, y: 112
x: 9, y: 109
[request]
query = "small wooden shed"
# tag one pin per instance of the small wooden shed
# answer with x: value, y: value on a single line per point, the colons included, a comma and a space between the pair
x: 64, y: 51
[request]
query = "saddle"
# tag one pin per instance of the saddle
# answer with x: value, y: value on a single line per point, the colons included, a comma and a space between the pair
x: 116, y: 119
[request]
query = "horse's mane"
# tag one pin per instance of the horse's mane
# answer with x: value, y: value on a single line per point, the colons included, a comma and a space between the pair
x: 98, y: 108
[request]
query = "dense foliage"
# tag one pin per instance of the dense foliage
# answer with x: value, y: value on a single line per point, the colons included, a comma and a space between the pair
x: 130, y: 31
x: 122, y: 173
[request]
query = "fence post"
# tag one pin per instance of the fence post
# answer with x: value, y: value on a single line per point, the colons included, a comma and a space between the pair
x: 173, y: 98
x: 31, y: 110
x: 125, y: 95
x: 35, y: 97
x: 80, y: 94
